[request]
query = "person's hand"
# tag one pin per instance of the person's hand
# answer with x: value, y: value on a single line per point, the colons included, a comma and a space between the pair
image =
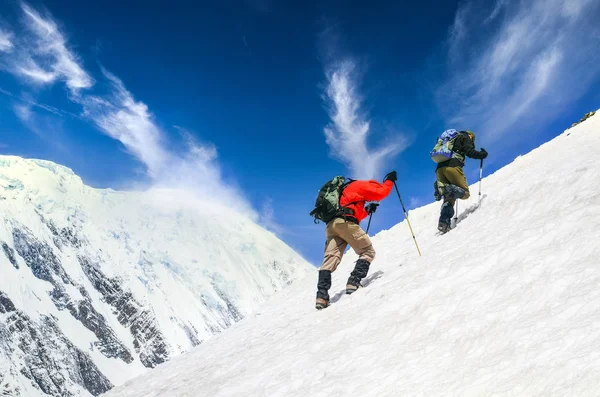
x: 391, y: 177
x: 483, y: 152
x: 371, y: 208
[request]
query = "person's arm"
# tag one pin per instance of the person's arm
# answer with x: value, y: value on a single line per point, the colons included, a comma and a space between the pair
x: 373, y: 190
x: 467, y: 147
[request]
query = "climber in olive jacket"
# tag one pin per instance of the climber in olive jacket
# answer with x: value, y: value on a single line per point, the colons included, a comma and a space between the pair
x: 451, y: 182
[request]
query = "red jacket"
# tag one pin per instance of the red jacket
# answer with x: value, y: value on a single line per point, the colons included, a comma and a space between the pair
x: 357, y: 192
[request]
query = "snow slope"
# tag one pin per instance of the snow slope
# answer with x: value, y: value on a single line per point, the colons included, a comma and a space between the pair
x: 507, y: 304
x: 96, y: 286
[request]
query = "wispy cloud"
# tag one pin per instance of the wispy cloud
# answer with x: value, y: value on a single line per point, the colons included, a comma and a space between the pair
x: 416, y: 202
x: 129, y: 121
x: 6, y: 38
x: 30, y: 119
x: 347, y: 134
x: 46, y: 126
x: 41, y: 54
x: 267, y: 217
x: 23, y: 112
x: 187, y: 170
x: 496, y: 10
x: 518, y: 62
x: 28, y: 100
x: 29, y: 69
x: 193, y: 168
x: 350, y: 131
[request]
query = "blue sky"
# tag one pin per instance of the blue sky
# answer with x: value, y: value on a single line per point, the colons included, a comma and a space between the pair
x: 259, y: 102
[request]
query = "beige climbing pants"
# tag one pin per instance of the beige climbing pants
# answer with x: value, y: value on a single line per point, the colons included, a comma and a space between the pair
x: 339, y: 234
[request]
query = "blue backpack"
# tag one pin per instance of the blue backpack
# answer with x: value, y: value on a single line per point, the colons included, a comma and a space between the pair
x: 442, y: 151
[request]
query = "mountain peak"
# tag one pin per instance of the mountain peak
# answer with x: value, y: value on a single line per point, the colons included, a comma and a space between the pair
x: 18, y: 175
x: 117, y: 282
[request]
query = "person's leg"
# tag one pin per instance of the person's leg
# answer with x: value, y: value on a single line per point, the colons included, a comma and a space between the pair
x: 334, y: 250
x: 442, y: 181
x: 447, y: 210
x: 323, y: 285
x: 456, y: 177
x: 437, y: 192
x: 446, y: 214
x: 361, y: 244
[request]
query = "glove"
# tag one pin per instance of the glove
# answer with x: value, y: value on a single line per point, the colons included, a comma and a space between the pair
x: 483, y: 152
x: 391, y: 177
x: 371, y: 208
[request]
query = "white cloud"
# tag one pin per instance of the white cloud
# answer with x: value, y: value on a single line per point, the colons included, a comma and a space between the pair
x: 349, y: 129
x: 416, y: 202
x: 123, y: 118
x: 41, y: 55
x: 23, y: 112
x: 496, y: 11
x: 42, y: 125
x: 32, y: 71
x: 26, y: 114
x: 521, y: 69
x: 460, y: 29
x: 6, y: 44
x: 193, y: 169
x: 189, y: 175
x: 28, y: 100
x: 268, y: 219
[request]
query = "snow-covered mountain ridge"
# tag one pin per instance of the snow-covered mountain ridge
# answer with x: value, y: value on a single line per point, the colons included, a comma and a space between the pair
x: 507, y: 304
x: 96, y: 286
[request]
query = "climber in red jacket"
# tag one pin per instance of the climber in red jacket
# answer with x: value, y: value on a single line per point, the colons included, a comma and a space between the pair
x: 345, y: 229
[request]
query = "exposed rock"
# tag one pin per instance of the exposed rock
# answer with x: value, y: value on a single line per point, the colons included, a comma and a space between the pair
x: 584, y: 118
x: 191, y: 333
x: 108, y: 343
x: 39, y: 256
x: 148, y: 341
x: 230, y: 310
x: 62, y: 236
x: 6, y: 304
x: 282, y: 274
x: 49, y: 360
x: 10, y: 254
x: 7, y: 388
x: 44, y: 264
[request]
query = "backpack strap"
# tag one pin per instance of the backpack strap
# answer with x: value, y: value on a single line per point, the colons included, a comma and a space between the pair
x: 346, y: 214
x: 456, y: 137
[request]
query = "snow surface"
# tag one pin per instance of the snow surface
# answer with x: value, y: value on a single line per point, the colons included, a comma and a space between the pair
x: 507, y: 304
x: 196, y: 268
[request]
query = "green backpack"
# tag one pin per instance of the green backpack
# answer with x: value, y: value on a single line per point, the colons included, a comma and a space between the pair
x: 327, y: 205
x: 444, y: 147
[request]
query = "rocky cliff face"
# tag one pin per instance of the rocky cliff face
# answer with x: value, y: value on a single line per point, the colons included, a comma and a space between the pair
x: 97, y: 285
x: 52, y: 364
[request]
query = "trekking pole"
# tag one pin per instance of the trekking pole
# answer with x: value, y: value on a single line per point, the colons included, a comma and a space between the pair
x: 407, y: 220
x: 480, y: 177
x: 456, y: 214
x: 371, y: 210
x: 369, y: 224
